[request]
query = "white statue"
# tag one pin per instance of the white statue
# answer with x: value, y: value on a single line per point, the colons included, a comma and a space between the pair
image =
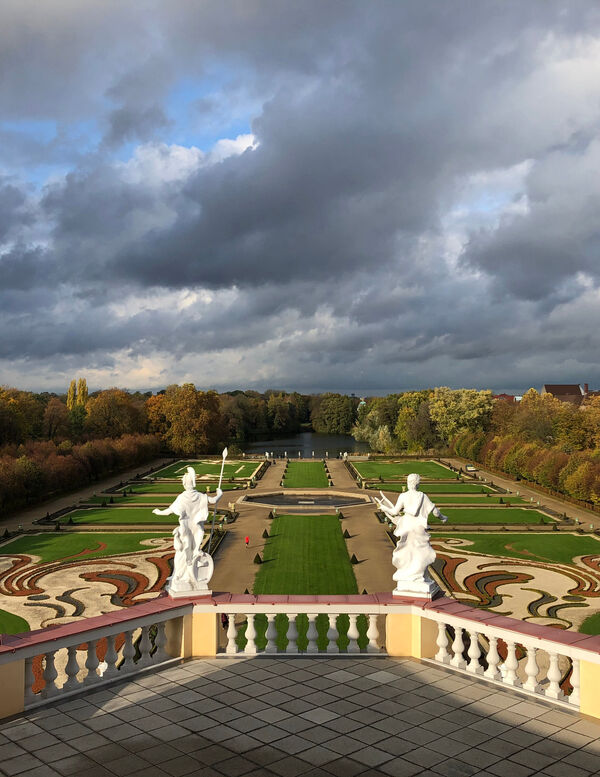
x: 192, y: 567
x: 413, y: 552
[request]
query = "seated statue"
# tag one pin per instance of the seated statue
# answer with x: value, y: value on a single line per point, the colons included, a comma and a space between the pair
x: 192, y: 567
x: 413, y: 552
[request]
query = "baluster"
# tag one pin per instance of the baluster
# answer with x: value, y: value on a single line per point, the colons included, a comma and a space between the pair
x: 353, y: 635
x: 144, y: 646
x: 574, y: 697
x: 511, y: 665
x: 458, y: 646
x: 312, y: 634
x: 250, y: 636
x: 271, y: 634
x: 531, y: 670
x: 372, y: 635
x: 553, y: 691
x: 492, y: 672
x: 72, y: 670
x: 474, y: 653
x: 442, y: 642
x: 30, y: 696
x: 160, y: 641
x: 292, y: 635
x: 111, y: 657
x: 232, y: 647
x: 128, y: 664
x: 91, y: 663
x: 332, y: 635
x: 50, y: 675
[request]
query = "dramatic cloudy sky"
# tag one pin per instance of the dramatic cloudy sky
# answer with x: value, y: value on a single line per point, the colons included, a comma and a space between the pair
x: 312, y: 195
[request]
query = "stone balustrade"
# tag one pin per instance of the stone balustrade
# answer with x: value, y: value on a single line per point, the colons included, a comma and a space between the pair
x: 561, y: 667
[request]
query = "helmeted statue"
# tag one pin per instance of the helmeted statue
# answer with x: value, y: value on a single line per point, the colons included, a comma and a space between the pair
x: 192, y: 567
x: 413, y: 552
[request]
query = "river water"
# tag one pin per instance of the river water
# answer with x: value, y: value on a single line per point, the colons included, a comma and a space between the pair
x: 307, y: 442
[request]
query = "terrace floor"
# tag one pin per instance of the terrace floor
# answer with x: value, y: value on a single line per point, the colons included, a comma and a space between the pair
x: 300, y: 716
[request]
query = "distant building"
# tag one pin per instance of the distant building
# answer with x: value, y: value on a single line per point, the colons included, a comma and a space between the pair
x: 505, y: 397
x: 566, y: 392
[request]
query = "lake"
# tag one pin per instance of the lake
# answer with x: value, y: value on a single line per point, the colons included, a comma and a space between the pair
x: 306, y: 443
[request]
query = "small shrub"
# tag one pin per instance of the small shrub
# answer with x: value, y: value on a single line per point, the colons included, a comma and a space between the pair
x: 257, y: 559
x: 57, y: 526
x: 70, y: 520
x: 104, y: 503
x: 111, y: 501
x: 353, y: 560
x: 500, y: 501
x: 346, y: 534
x: 265, y: 535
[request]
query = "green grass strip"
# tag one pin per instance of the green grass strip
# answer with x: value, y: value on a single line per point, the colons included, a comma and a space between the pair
x: 553, y: 548
x: 395, y: 469
x: 232, y: 469
x: 436, y: 488
x: 305, y: 554
x: 306, y: 474
x: 498, y: 515
x: 85, y: 545
x: 12, y: 624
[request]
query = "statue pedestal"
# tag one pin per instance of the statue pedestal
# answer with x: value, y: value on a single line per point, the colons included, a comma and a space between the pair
x: 426, y: 589
x: 179, y: 589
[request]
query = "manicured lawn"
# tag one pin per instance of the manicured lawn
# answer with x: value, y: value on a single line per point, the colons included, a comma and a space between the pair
x: 152, y: 498
x: 396, y: 469
x: 122, y: 516
x: 475, y: 500
x: 437, y: 488
x: 591, y: 625
x: 498, y: 515
x: 306, y: 554
x: 177, y: 488
x: 65, y: 546
x: 233, y: 469
x: 554, y: 548
x: 12, y: 624
x: 306, y: 474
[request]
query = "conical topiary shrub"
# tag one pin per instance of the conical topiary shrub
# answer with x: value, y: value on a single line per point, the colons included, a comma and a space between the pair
x: 257, y: 559
x: 353, y: 560
x: 265, y: 535
x: 346, y: 534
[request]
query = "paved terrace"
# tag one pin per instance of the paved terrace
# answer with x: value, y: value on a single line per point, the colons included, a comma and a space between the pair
x: 296, y: 716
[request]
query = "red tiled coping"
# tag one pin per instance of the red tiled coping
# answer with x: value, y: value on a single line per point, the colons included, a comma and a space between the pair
x: 443, y: 605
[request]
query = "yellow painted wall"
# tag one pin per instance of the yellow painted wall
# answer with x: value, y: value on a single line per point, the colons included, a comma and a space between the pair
x: 12, y: 685
x: 408, y: 634
x: 589, y: 689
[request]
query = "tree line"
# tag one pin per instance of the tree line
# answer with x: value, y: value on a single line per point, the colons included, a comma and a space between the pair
x: 543, y: 440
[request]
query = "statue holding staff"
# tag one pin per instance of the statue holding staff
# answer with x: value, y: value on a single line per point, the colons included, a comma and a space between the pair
x: 413, y: 552
x: 192, y: 567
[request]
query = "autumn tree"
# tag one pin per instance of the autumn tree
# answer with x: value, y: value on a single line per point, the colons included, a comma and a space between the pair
x: 113, y: 413
x: 72, y: 395
x: 190, y: 419
x: 82, y: 392
x: 56, y: 419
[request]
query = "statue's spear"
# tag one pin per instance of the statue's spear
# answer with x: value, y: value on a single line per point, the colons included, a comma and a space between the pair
x: 212, y: 528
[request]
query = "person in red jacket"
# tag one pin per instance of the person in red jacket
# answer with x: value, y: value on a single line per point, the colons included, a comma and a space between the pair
x: 247, y: 541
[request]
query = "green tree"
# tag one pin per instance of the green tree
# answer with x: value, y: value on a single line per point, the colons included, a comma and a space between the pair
x: 334, y: 414
x: 454, y: 411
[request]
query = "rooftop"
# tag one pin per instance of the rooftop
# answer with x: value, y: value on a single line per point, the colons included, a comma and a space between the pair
x: 299, y: 716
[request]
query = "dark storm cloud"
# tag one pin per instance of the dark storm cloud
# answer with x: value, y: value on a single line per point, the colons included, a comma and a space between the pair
x: 336, y: 232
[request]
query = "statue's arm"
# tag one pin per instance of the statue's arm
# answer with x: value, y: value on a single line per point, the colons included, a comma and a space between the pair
x: 438, y: 514
x: 214, y: 499
x: 167, y: 511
